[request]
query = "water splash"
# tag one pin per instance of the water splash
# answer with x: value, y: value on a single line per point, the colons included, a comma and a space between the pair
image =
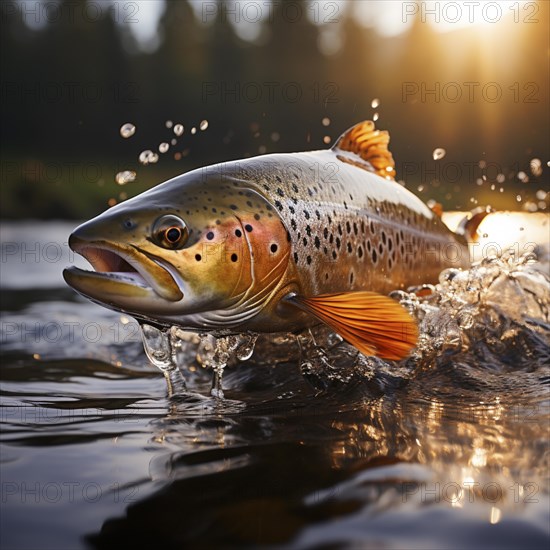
x: 161, y: 348
x: 498, y: 309
x: 217, y: 353
x: 127, y: 130
x: 126, y: 176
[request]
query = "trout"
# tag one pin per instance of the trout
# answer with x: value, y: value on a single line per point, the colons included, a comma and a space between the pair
x: 273, y: 243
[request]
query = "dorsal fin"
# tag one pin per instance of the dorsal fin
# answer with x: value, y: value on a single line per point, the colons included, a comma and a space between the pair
x: 371, y: 145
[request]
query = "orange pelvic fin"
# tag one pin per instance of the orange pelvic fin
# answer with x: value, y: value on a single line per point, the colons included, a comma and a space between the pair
x: 374, y: 324
x: 370, y: 145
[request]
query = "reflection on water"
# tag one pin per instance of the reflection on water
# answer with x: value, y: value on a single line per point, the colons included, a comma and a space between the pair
x: 447, y: 450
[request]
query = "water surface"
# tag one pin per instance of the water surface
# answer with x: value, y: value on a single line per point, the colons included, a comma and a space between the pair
x: 446, y: 450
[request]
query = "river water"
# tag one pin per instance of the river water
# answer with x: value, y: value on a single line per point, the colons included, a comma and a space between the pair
x: 448, y: 449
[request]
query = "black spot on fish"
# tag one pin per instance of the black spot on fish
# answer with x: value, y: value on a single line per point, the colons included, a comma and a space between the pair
x: 351, y: 278
x: 325, y: 249
x: 317, y: 213
x: 383, y: 237
x: 295, y: 257
x: 374, y: 255
x: 234, y: 257
x: 308, y: 260
x: 329, y: 219
x: 288, y: 236
x: 308, y: 230
x: 390, y: 244
x: 355, y: 230
x: 345, y: 205
x: 256, y: 217
x: 325, y: 232
x: 294, y: 200
x: 369, y: 246
x: 268, y: 207
x: 249, y: 203
x: 334, y: 255
x: 381, y: 249
x: 305, y: 241
x: 372, y: 226
x: 310, y: 191
x: 248, y: 227
x: 295, y: 187
x: 214, y: 210
x: 198, y: 257
x: 326, y: 276
x: 233, y: 206
x: 273, y: 248
x: 338, y: 242
x: 238, y: 233
x: 331, y: 240
x: 218, y: 222
x: 293, y: 224
x: 278, y: 179
x: 306, y: 214
x: 292, y: 210
x: 280, y: 192
x: 279, y: 205
x: 317, y: 243
x: 210, y: 235
x: 349, y: 248
x: 348, y: 227
x: 339, y: 229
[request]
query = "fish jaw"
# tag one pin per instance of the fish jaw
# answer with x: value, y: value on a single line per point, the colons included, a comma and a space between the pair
x: 124, y: 277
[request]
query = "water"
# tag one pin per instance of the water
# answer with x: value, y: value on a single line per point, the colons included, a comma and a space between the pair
x: 310, y: 447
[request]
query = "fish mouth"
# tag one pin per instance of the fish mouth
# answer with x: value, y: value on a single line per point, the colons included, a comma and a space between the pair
x: 121, y: 271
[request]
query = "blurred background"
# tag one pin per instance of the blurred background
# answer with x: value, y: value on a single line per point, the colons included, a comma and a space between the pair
x: 463, y: 89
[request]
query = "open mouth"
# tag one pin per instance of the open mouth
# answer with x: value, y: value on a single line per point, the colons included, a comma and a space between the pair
x: 120, y: 270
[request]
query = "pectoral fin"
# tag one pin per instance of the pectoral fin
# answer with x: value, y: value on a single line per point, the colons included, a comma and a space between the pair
x: 374, y: 324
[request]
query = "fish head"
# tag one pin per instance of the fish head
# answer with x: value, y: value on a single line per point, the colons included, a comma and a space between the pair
x: 183, y: 250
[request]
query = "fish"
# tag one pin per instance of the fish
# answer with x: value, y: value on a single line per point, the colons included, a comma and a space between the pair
x: 274, y: 243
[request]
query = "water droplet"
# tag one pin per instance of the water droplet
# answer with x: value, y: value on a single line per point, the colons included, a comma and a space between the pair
x: 275, y: 136
x: 420, y: 188
x: 245, y: 348
x: 262, y: 149
x: 536, y: 167
x: 518, y: 198
x: 111, y: 201
x: 203, y: 125
x: 325, y: 121
x: 127, y: 130
x: 501, y: 178
x: 148, y: 157
x: 173, y: 141
x: 163, y: 147
x: 125, y: 177
x: 375, y: 103
x: 541, y: 194
x: 375, y: 117
x: 168, y: 124
x: 178, y: 129
x: 439, y: 153
x: 523, y: 177
x: 326, y: 139
x: 193, y: 130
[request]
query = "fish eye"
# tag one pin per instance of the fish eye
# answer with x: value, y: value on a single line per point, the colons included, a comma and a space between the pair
x: 170, y: 232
